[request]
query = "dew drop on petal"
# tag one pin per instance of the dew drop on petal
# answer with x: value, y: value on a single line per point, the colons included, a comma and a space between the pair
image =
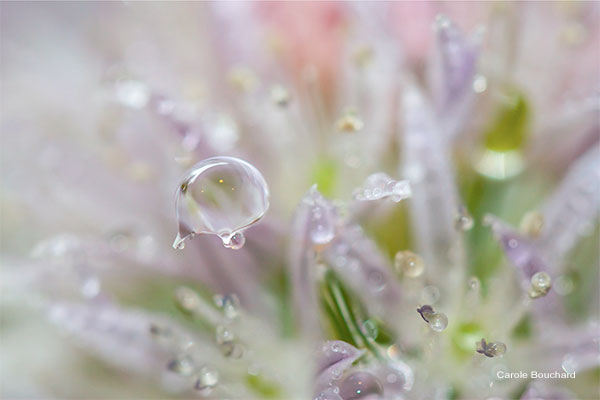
x: 438, y: 322
x: 540, y: 285
x: 370, y: 329
x: 322, y: 221
x: 541, y: 281
x: 182, y: 366
x: 497, y: 349
x: 208, y: 378
x: 463, y: 220
x: 532, y: 224
x: 409, y: 264
x: 224, y: 335
x: 220, y: 196
x: 360, y: 385
x: 379, y: 186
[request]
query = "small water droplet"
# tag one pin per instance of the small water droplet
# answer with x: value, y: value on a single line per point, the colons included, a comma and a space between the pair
x: 370, y: 329
x: 186, y: 299
x: 132, y: 93
x: 463, y: 220
x: 224, y: 335
x: 532, y: 224
x: 492, y: 349
x: 376, y: 281
x: 233, y: 241
x: 229, y: 303
x: 220, y: 196
x: 232, y: 350
x: 540, y: 285
x: 280, y: 96
x: 349, y: 122
x: 479, y: 84
x: 335, y: 347
x: 182, y: 366
x: 474, y: 283
x: 322, y: 222
x: 438, y: 322
x: 208, y: 378
x: 360, y: 385
x: 409, y: 264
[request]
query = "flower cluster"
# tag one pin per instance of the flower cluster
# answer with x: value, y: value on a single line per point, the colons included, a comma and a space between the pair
x: 300, y: 200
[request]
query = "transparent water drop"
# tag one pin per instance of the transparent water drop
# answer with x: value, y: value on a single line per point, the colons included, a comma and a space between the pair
x: 491, y: 349
x: 532, y: 224
x: 409, y: 264
x: 438, y: 322
x: 380, y: 186
x: 360, y: 385
x: 220, y: 196
x: 540, y: 285
x: 229, y: 303
x: 208, y: 378
x: 233, y: 241
x: 232, y: 350
x: 224, y: 335
x: 182, y: 366
x: 370, y: 329
x: 463, y: 220
x: 186, y: 299
x: 322, y: 220
x: 376, y: 281
x: 474, y: 283
x: 349, y: 122
x: 541, y: 281
x: 335, y: 347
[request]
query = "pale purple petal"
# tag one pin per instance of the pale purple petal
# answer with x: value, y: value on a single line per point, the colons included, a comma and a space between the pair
x: 302, y: 262
x: 452, y: 71
x: 543, y: 390
x: 427, y: 166
x: 363, y: 267
x: 121, y: 338
x: 520, y: 250
x: 571, y: 211
x: 336, y: 356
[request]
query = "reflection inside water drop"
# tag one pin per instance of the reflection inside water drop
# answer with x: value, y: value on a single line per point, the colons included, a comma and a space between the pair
x: 220, y: 196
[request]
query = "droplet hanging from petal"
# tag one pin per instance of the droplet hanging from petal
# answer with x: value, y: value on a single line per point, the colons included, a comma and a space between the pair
x: 220, y: 196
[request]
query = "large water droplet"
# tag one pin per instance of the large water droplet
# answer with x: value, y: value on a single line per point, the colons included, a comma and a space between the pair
x: 220, y: 196
x: 359, y: 385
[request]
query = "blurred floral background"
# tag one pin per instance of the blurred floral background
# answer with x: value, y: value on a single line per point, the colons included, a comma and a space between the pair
x: 416, y: 215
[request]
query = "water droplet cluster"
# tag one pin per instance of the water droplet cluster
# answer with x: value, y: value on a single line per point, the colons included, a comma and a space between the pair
x: 220, y: 196
x: 380, y: 186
